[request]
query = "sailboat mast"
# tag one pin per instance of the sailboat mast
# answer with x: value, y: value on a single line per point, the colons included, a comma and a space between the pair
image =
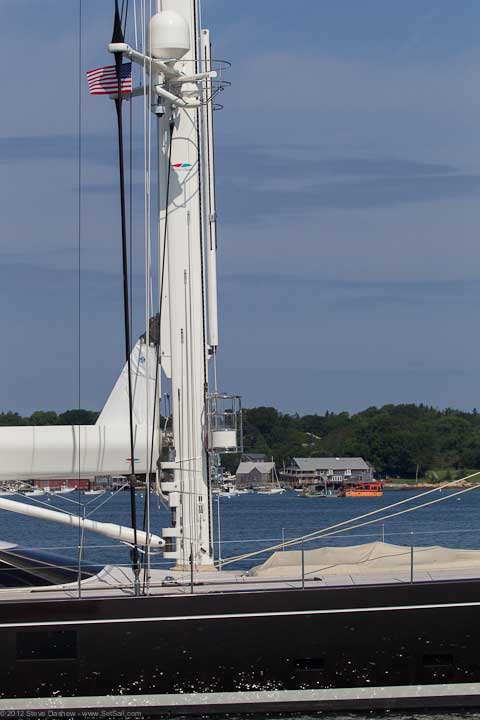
x: 186, y: 474
x: 204, y: 425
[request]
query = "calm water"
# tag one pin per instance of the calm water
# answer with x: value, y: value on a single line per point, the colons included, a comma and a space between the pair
x: 252, y: 522
x: 244, y: 519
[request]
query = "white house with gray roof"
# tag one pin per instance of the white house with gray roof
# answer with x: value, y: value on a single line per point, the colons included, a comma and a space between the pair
x: 305, y: 472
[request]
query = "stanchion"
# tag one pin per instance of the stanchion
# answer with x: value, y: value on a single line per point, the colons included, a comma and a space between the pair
x: 191, y: 569
x: 303, y: 567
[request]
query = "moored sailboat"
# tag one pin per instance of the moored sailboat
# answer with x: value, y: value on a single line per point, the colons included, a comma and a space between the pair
x: 191, y: 638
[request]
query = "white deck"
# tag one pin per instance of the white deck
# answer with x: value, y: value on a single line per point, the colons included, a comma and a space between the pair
x: 115, y: 581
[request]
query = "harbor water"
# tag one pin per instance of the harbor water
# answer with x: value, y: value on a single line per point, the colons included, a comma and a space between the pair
x: 253, y: 522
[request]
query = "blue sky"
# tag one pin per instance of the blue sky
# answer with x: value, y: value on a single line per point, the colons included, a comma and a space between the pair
x: 348, y: 160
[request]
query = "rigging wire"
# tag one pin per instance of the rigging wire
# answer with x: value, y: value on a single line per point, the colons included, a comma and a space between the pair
x: 114, y: 494
x: 147, y: 257
x: 118, y: 37
x: 135, y: 30
x: 148, y: 291
x: 143, y: 24
x: 171, y: 128
x: 346, y: 524
x: 160, y: 306
x: 125, y: 18
x: 130, y: 207
x: 79, y: 287
x: 400, y: 512
x: 160, y: 301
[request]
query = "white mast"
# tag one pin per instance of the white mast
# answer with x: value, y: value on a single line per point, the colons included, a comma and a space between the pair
x: 188, y: 482
x: 180, y: 73
x: 210, y: 201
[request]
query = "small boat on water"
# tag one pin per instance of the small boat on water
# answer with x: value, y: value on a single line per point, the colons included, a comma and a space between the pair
x: 195, y: 638
x: 33, y: 493
x: 228, y: 490
x: 368, y: 489
x: 272, y: 491
x: 319, y: 491
x: 8, y: 490
x: 63, y: 491
x: 320, y: 494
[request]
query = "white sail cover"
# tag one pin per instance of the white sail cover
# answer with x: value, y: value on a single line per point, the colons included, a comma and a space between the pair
x: 370, y: 558
x: 28, y: 452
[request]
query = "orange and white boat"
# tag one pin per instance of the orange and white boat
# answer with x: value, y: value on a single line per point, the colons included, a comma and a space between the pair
x: 368, y: 489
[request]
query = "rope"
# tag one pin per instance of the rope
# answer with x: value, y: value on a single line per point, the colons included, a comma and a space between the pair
x: 346, y: 524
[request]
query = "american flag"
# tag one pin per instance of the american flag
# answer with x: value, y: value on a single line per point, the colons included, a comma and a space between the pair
x: 103, y: 81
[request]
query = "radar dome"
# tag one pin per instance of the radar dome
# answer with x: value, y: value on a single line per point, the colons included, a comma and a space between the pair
x: 169, y: 36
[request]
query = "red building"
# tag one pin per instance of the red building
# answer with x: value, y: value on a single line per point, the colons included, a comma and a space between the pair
x: 59, y: 483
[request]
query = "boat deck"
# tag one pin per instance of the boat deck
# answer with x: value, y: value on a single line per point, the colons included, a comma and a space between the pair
x: 117, y: 581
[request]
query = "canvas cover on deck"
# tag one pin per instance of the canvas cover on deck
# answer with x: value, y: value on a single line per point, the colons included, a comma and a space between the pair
x: 375, y: 558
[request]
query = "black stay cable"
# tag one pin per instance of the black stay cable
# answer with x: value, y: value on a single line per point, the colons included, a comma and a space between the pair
x: 118, y: 37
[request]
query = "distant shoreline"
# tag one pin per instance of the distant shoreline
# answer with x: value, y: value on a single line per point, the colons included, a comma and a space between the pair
x: 425, y: 485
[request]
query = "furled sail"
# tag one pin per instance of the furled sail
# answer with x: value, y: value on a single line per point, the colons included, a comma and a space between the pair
x: 115, y: 410
x: 88, y: 450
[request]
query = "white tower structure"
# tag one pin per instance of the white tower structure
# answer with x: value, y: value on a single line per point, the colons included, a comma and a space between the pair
x: 180, y: 73
x: 189, y: 485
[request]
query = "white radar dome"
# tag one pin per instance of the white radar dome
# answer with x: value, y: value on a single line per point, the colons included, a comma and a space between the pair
x: 169, y: 36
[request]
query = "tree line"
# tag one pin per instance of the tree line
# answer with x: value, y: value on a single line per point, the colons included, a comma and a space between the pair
x: 399, y: 440
x: 50, y: 417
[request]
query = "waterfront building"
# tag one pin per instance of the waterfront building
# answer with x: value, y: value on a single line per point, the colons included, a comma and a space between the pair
x: 254, y: 457
x: 311, y: 472
x: 255, y: 474
x: 56, y: 484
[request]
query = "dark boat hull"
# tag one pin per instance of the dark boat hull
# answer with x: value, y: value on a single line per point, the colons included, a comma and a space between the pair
x: 380, y: 646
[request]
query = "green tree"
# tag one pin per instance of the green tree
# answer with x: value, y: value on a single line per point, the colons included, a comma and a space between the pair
x: 41, y: 417
x: 78, y: 417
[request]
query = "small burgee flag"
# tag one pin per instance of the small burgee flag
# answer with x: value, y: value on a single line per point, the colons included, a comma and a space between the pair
x: 103, y: 81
